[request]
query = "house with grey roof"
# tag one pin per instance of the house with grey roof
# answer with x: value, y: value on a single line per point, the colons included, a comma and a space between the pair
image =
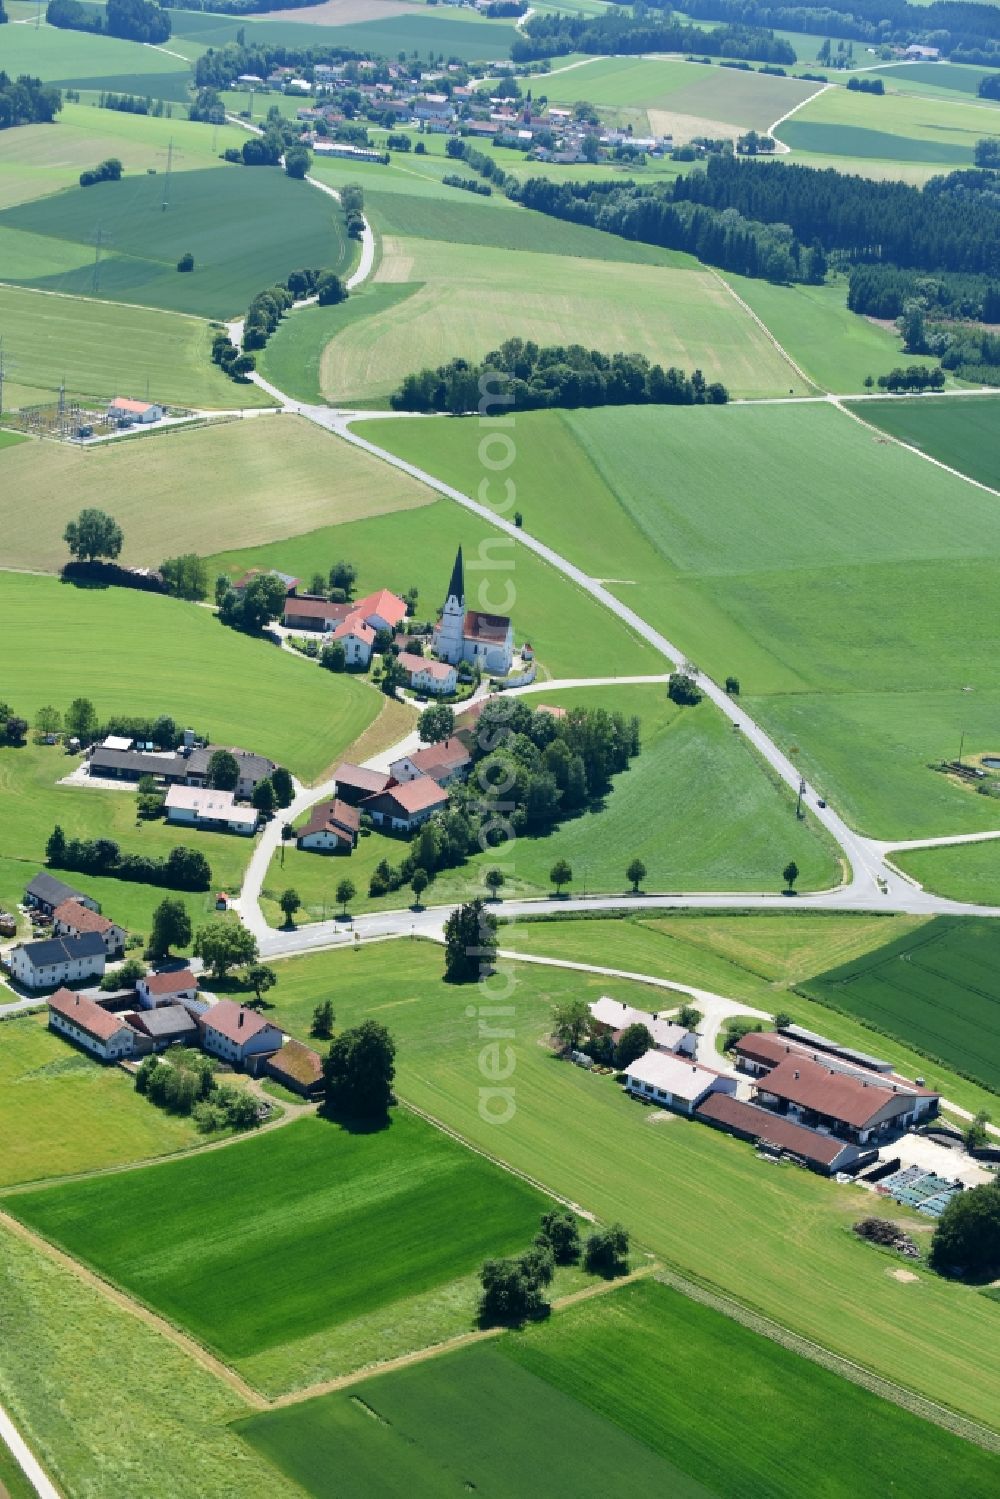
x: 45, y: 893
x: 58, y: 960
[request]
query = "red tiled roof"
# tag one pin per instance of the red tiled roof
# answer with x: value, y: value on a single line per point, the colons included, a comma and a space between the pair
x: 357, y: 776
x: 313, y: 608
x: 415, y: 796
x: 81, y: 918
x: 224, y: 1018
x: 388, y: 606
x: 413, y: 664
x: 354, y: 625
x: 86, y: 1014
x: 489, y: 627
x: 448, y: 754
x: 170, y: 983
x: 800, y: 1080
x: 333, y: 816
x: 763, y: 1125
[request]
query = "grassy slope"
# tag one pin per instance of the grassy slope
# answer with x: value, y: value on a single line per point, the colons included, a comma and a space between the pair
x: 778, y: 1238
x: 767, y: 961
x: 963, y: 434
x: 71, y: 1369
x: 59, y: 1112
x: 171, y: 657
x: 572, y: 634
x: 846, y: 626
x: 962, y: 873
x: 102, y: 350
x: 74, y: 58
x: 897, y: 126
x: 691, y: 766
x: 267, y: 478
x: 293, y: 356
x: 234, y: 222
x: 333, y: 1224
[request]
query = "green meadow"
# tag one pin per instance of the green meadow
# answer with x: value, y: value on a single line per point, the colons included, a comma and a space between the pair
x: 963, y: 434
x: 966, y: 871
x: 571, y: 633
x: 173, y: 657
x: 776, y: 1238
x: 575, y: 1402
x: 73, y: 59
x: 690, y: 769
x: 101, y: 350
x: 234, y: 223
x: 898, y: 127
x: 269, y: 476
x: 846, y: 621
x: 294, y: 355
x: 61, y: 1112
x: 423, y: 32
x: 937, y: 988
x: 330, y: 1224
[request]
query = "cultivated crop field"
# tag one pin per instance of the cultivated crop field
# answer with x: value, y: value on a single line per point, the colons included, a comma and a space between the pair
x: 846, y: 621
x: 964, y: 434
x: 234, y: 222
x: 269, y: 477
x: 176, y: 658
x: 895, y: 127
x: 778, y: 1238
x: 73, y: 59
x: 102, y: 351
x: 329, y: 1225
x: 469, y: 302
x: 690, y: 765
x: 937, y: 988
x: 61, y: 1111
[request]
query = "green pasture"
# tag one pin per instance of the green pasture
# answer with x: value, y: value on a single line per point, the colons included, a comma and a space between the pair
x: 969, y: 872
x: 571, y: 633
x: 963, y: 434
x: 173, y: 657
x: 846, y: 621
x: 103, y: 350
x: 778, y: 1238
x: 40, y: 159
x: 73, y: 1363
x: 330, y: 1224
x: 766, y: 961
x: 930, y: 79
x: 835, y: 347
x: 293, y: 356
x: 234, y: 222
x: 937, y: 988
x: 270, y: 477
x: 897, y: 127
x: 427, y: 31
x: 61, y: 1112
x: 692, y: 767
x: 74, y: 59
x: 466, y: 301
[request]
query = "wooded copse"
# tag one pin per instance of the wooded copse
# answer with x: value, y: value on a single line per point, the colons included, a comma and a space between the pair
x: 617, y: 32
x: 27, y: 101
x: 534, y: 378
x: 966, y: 32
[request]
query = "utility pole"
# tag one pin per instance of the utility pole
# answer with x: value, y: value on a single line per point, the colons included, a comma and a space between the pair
x: 98, y: 246
x: 961, y: 742
x: 802, y: 792
x: 166, y: 180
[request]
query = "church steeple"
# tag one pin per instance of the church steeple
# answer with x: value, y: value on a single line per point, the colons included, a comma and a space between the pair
x: 456, y: 588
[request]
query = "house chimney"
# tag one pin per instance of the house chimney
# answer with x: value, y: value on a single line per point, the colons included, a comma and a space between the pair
x: 796, y: 1072
x: 240, y: 1021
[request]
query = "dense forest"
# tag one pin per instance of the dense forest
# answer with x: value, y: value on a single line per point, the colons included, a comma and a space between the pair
x: 960, y: 29
x: 618, y: 32
x: 536, y: 377
x: 883, y: 291
x: 135, y: 20
x: 27, y: 101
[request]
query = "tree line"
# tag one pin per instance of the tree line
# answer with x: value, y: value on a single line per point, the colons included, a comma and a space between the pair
x: 883, y: 291
x: 134, y: 20
x: 616, y: 32
x: 27, y: 101
x: 182, y: 869
x: 218, y: 66
x: 967, y: 32
x: 535, y: 378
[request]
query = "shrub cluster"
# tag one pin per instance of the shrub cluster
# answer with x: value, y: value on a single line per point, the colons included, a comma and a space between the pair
x: 106, y: 171
x: 182, y: 869
x: 186, y: 1085
x: 27, y: 101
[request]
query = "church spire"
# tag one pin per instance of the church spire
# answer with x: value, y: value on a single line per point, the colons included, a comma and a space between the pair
x: 456, y: 588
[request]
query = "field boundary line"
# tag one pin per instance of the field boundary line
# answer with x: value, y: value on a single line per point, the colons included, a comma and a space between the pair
x: 840, y: 403
x: 877, y: 1384
x: 182, y: 1340
x: 812, y: 384
x: 26, y: 1460
x: 786, y: 150
x: 448, y: 1345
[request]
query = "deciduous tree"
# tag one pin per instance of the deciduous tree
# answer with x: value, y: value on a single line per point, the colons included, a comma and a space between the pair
x: 358, y: 1072
x: 223, y: 945
x: 470, y: 937
x: 93, y: 534
x: 171, y: 927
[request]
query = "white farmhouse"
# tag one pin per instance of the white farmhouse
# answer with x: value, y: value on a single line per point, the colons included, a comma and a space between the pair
x: 58, y: 960
x: 662, y: 1078
x: 236, y: 1034
x: 81, y: 1020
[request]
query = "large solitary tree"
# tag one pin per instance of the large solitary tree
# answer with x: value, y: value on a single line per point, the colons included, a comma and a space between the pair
x: 358, y: 1072
x: 967, y: 1237
x: 223, y: 945
x: 171, y: 927
x: 93, y: 534
x: 436, y: 723
x: 223, y: 772
x: 470, y: 943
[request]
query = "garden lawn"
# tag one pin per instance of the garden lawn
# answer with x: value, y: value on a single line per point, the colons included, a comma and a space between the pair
x: 173, y: 657
x: 969, y: 872
x: 691, y: 765
x: 937, y: 988
x: 329, y: 1224
x: 61, y: 1112
x: 767, y: 961
x: 571, y: 633
x: 836, y: 348
x: 101, y: 351
x: 963, y: 434
x: 832, y: 573
x: 234, y: 222
x: 72, y: 1365
x: 268, y: 478
x: 777, y: 1238
x: 467, y: 300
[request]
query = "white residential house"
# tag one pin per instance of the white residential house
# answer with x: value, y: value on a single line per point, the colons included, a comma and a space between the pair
x: 486, y: 640
x: 122, y: 408
x: 615, y: 1015
x: 107, y: 1036
x: 178, y: 986
x: 58, y: 960
x: 236, y: 1034
x: 357, y: 638
x: 72, y: 918
x: 674, y: 1082
x: 199, y: 807
x: 425, y: 675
